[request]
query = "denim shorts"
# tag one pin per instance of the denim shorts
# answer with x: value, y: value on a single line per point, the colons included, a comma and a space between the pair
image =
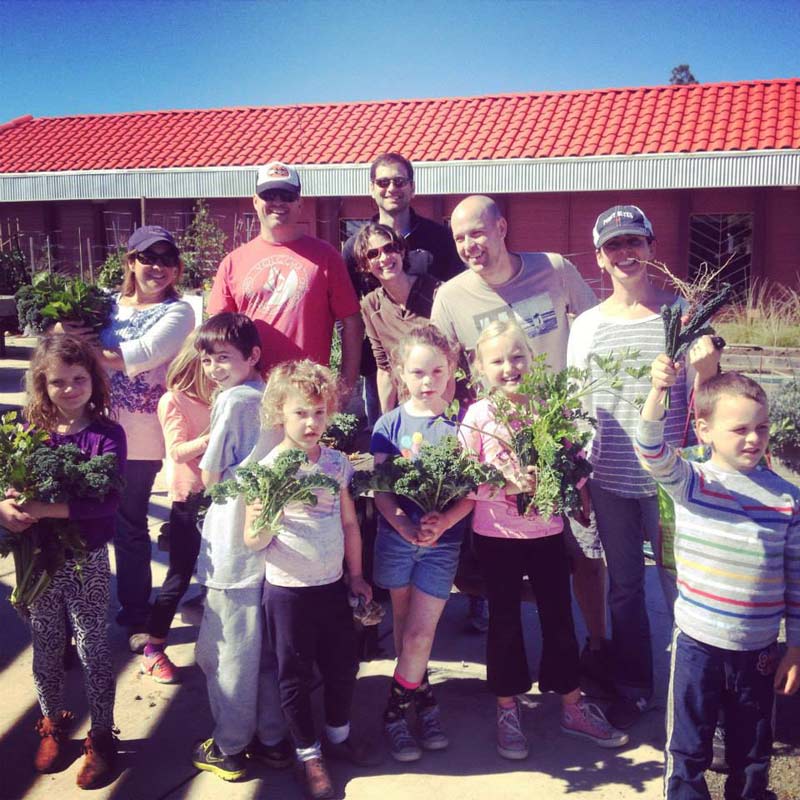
x: 399, y: 563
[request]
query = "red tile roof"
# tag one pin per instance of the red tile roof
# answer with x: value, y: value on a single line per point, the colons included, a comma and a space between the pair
x: 753, y: 115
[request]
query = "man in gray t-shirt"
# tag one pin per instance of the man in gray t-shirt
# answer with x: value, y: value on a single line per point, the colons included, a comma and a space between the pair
x: 542, y: 292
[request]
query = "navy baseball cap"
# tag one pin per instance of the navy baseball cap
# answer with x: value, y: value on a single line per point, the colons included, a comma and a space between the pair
x: 619, y: 221
x: 148, y: 235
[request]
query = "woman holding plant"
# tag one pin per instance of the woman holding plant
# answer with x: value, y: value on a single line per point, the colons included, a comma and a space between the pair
x: 148, y: 325
x: 623, y: 495
x: 68, y: 399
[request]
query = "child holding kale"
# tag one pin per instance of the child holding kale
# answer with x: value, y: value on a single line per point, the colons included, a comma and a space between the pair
x: 68, y: 397
x: 309, y: 620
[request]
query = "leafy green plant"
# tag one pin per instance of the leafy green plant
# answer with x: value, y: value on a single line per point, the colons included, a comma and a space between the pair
x: 784, y: 413
x: 202, y: 247
x: 275, y: 486
x: 112, y: 270
x: 341, y: 432
x: 439, y: 475
x: 33, y: 470
x: 52, y: 297
x: 14, y: 271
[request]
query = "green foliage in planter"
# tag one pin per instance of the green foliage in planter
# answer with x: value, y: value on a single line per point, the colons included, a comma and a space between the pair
x: 112, y: 270
x: 14, y: 271
x: 202, y: 247
x: 784, y: 414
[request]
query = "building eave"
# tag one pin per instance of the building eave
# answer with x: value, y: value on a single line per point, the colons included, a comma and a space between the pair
x: 512, y: 176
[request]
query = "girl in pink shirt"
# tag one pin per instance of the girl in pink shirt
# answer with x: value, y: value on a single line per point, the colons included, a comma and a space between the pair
x: 184, y: 412
x: 511, y: 547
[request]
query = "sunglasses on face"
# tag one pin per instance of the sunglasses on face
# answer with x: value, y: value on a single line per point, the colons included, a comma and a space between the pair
x: 387, y: 249
x: 384, y: 183
x: 279, y: 195
x: 148, y: 259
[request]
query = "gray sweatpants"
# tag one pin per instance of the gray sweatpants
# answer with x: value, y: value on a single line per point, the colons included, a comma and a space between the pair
x: 241, y: 670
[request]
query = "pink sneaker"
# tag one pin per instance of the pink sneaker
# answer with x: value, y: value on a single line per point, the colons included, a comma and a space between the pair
x: 159, y: 667
x: 586, y: 720
x: 511, y: 741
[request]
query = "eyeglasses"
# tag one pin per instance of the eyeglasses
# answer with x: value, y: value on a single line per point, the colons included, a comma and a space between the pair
x: 170, y: 260
x: 384, y: 183
x: 281, y: 195
x: 387, y: 250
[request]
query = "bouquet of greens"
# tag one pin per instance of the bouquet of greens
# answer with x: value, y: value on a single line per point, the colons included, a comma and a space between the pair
x: 439, y: 475
x: 274, y: 486
x: 32, y: 470
x: 51, y: 298
x: 341, y: 432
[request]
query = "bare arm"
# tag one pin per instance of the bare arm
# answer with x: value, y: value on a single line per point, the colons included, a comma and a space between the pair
x: 352, y: 546
x: 255, y: 539
x: 209, y: 478
x: 352, y: 337
x: 387, y: 393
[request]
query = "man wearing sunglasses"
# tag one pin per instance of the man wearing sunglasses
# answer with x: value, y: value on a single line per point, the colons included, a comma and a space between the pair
x: 293, y: 286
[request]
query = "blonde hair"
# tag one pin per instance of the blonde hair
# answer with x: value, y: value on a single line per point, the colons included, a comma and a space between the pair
x: 425, y: 336
x: 307, y: 378
x: 185, y: 374
x: 501, y: 327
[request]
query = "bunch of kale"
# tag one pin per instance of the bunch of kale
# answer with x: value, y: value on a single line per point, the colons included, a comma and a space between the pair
x: 275, y: 486
x: 341, y: 432
x: 441, y: 474
x: 52, y: 298
x: 30, y: 469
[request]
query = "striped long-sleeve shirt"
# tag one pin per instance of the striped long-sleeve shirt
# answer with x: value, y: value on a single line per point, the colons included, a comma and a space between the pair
x: 737, y: 547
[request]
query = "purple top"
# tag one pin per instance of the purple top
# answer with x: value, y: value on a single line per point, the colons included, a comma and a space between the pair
x: 96, y: 517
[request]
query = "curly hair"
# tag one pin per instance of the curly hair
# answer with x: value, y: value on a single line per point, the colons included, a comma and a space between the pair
x: 361, y: 244
x: 726, y: 384
x: 186, y: 376
x: 39, y: 410
x: 307, y: 378
x: 426, y: 336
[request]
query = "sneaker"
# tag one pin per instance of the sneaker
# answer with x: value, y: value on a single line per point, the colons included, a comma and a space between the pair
x: 719, y: 762
x: 352, y: 751
x: 625, y: 711
x: 478, y: 617
x: 403, y: 746
x: 313, y: 774
x: 277, y: 756
x: 99, y: 755
x: 511, y: 741
x: 431, y: 733
x: 52, y: 731
x: 595, y: 669
x: 208, y: 757
x: 137, y: 641
x: 586, y: 720
x: 159, y: 667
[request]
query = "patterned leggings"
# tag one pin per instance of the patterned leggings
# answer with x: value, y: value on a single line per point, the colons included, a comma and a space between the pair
x: 85, y: 600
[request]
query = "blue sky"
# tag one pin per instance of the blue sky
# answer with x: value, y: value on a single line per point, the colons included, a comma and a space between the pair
x: 71, y: 57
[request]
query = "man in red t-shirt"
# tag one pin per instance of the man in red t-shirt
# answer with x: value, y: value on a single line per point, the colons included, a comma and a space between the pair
x: 294, y: 287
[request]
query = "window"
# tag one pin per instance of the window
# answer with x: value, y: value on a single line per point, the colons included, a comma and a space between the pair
x: 722, y: 240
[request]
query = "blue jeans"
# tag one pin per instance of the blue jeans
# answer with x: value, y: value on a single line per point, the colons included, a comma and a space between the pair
x: 702, y: 681
x: 132, y: 546
x: 623, y: 524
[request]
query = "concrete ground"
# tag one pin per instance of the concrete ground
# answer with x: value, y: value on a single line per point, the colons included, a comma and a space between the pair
x: 158, y: 724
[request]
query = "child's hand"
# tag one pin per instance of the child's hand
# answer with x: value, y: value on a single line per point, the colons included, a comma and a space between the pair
x: 522, y: 482
x: 13, y: 517
x: 256, y: 507
x: 704, y: 357
x: 431, y: 527
x: 663, y: 372
x: 787, y: 676
x: 359, y: 587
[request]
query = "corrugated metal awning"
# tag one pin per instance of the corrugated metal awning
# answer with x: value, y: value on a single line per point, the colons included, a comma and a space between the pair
x: 512, y: 176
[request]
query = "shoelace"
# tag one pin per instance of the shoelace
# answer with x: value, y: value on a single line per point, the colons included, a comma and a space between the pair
x: 431, y: 723
x: 400, y: 735
x: 509, y: 718
x: 594, y: 715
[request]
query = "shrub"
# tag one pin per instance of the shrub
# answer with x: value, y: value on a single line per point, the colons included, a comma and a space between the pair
x: 13, y: 271
x: 784, y: 412
x: 202, y: 247
x: 112, y: 270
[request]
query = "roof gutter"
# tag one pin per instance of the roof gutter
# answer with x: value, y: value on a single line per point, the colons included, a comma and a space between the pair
x: 509, y: 176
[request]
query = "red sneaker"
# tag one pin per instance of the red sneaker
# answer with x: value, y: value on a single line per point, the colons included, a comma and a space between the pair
x: 160, y: 668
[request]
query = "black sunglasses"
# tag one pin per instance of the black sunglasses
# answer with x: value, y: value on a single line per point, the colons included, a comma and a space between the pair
x: 281, y: 195
x: 170, y: 259
x: 384, y: 183
x: 387, y: 249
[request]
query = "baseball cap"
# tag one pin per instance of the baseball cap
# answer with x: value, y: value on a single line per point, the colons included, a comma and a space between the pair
x: 277, y: 175
x: 621, y: 220
x: 148, y: 235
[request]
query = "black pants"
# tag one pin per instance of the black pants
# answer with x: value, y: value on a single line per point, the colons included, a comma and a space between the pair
x: 505, y: 562
x: 311, y: 625
x: 184, y: 545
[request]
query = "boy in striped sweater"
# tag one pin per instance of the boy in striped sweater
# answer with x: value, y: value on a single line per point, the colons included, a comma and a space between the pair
x: 737, y: 551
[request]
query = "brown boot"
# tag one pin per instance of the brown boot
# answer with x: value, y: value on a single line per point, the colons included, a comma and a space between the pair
x: 100, y: 751
x: 315, y: 778
x: 52, y: 731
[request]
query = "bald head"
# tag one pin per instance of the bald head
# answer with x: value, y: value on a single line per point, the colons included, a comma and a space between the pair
x: 479, y: 230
